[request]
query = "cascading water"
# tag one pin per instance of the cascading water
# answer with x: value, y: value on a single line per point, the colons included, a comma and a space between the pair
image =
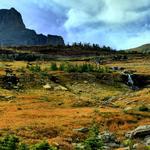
x: 130, y: 80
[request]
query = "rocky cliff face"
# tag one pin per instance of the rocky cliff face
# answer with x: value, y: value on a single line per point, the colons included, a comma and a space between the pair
x: 14, y: 33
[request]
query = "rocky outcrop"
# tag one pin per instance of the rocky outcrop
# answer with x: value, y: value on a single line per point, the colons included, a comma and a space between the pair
x: 14, y: 33
x: 139, y: 132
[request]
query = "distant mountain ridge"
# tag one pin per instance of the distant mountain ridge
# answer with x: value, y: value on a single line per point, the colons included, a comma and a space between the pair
x: 141, y: 49
x: 14, y: 33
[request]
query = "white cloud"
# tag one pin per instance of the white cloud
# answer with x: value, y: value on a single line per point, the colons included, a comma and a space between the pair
x: 107, y: 11
x: 100, y: 21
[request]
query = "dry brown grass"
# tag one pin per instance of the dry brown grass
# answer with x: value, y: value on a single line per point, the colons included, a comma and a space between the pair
x: 37, y: 114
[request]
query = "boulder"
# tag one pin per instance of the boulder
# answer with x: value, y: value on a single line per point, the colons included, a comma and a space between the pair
x: 14, y: 33
x: 109, y: 140
x: 108, y: 137
x: 139, y: 132
x: 147, y: 141
x: 47, y: 86
x: 128, y: 109
x: 83, y: 130
x: 60, y: 88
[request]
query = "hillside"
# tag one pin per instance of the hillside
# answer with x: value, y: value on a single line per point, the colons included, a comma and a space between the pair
x: 141, y: 49
x: 60, y: 101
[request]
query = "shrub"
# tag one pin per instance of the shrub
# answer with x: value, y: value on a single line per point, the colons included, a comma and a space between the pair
x: 9, y: 143
x: 128, y: 143
x: 53, y: 67
x: 143, y: 108
x: 22, y: 70
x: 23, y: 146
x: 93, y: 142
x: 34, y: 68
x: 42, y: 146
x: 12, y: 142
x: 62, y: 67
x: 80, y: 68
x: 71, y: 68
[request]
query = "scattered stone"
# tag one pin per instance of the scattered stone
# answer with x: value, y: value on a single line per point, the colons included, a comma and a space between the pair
x: 147, y: 141
x: 106, y: 148
x: 61, y: 88
x: 83, y: 130
x: 108, y: 137
x: 139, y: 132
x: 7, y: 98
x: 128, y: 109
x: 85, y: 82
x: 47, y: 86
x: 109, y: 140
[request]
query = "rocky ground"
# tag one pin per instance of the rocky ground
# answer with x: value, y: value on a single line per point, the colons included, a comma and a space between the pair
x: 61, y: 107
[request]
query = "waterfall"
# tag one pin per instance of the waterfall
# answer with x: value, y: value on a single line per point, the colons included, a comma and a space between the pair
x: 130, y: 80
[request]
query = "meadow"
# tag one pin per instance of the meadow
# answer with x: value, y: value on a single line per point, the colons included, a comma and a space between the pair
x: 52, y: 100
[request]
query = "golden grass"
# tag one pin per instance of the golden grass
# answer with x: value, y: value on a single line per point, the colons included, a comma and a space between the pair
x: 38, y: 114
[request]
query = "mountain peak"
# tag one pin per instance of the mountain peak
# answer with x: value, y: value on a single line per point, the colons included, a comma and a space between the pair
x: 10, y: 19
x: 13, y: 9
x: 14, y: 33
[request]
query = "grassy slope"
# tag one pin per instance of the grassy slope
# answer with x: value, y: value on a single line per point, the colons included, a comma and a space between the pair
x: 141, y: 49
x: 37, y: 114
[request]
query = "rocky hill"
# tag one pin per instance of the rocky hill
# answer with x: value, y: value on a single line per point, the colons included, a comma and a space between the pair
x: 141, y: 49
x: 14, y: 33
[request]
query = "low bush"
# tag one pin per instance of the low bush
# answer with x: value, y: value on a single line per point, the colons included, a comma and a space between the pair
x: 79, y: 68
x: 11, y: 142
x: 42, y: 146
x: 93, y: 142
x: 34, y: 68
x: 53, y: 67
x: 143, y: 108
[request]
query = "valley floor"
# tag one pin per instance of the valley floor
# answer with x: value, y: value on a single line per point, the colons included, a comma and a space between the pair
x: 76, y: 100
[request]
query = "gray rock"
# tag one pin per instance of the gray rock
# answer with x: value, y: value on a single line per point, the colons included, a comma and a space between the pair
x: 83, y: 130
x: 61, y: 88
x: 7, y: 98
x: 106, y: 148
x: 108, y: 137
x: 113, y: 145
x: 139, y: 132
x: 14, y: 33
x: 47, y: 86
x: 147, y: 141
x: 128, y: 109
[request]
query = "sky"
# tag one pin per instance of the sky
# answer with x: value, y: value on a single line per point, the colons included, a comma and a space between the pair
x: 121, y: 24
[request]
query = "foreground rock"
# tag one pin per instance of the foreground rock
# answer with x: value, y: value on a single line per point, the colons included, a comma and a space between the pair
x: 82, y: 130
x: 110, y: 140
x: 139, y: 132
x: 14, y: 33
x: 47, y: 86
